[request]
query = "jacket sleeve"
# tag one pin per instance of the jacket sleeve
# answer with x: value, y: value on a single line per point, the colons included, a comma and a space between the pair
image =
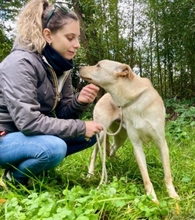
x: 19, y: 81
x: 69, y: 107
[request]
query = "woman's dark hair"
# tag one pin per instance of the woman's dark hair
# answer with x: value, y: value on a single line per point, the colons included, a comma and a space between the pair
x: 55, y: 16
x: 34, y: 18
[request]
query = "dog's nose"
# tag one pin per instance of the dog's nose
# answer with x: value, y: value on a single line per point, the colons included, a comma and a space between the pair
x: 82, y: 65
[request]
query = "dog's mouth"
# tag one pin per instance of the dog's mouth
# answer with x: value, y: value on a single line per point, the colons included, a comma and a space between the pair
x: 87, y: 79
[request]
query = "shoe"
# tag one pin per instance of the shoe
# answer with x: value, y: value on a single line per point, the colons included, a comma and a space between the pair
x: 8, y: 177
x: 5, y: 178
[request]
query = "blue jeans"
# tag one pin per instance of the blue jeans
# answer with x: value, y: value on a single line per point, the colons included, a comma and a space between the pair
x: 26, y: 156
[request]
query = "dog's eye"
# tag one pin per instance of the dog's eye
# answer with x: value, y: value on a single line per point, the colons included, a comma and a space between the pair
x: 98, y: 65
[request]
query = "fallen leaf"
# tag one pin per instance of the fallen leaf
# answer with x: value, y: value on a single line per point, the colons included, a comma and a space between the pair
x: 177, y: 208
x: 2, y: 201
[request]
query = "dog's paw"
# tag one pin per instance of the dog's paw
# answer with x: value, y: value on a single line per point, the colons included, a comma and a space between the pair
x: 153, y: 197
x: 174, y: 195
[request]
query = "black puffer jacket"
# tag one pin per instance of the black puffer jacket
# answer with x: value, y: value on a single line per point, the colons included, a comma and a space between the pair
x: 29, y: 94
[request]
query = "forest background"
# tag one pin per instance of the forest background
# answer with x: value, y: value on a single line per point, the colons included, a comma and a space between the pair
x: 156, y: 38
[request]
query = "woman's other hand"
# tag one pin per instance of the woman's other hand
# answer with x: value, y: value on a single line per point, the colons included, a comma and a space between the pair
x: 88, y: 94
x: 92, y: 128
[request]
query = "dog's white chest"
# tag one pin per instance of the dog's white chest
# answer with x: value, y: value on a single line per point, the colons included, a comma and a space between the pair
x: 137, y: 125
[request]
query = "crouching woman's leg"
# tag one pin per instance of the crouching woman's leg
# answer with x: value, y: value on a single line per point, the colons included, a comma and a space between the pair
x: 26, y: 156
x: 75, y: 145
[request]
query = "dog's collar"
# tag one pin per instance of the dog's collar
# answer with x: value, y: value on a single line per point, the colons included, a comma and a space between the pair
x: 128, y: 103
x: 131, y: 102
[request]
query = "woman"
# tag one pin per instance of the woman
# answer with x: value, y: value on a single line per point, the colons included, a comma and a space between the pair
x: 39, y: 113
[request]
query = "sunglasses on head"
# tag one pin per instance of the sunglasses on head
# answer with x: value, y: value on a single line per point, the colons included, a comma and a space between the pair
x: 63, y: 9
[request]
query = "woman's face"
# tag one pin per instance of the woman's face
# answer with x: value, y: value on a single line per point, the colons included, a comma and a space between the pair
x: 66, y: 40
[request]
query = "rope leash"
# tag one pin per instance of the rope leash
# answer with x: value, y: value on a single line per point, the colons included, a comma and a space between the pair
x: 104, y: 177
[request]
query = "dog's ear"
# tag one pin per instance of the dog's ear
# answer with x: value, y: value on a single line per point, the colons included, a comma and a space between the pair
x: 125, y: 71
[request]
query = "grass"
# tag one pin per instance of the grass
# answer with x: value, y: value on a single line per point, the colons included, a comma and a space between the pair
x: 66, y: 193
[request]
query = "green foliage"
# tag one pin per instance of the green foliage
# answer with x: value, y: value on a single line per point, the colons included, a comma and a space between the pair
x: 10, y: 8
x: 115, y: 199
x: 6, y: 45
x: 183, y: 113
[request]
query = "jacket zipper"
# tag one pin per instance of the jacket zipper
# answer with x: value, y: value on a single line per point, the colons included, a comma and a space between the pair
x: 57, y: 98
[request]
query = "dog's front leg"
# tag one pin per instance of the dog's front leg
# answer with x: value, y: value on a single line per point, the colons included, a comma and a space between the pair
x: 141, y: 160
x: 164, y: 151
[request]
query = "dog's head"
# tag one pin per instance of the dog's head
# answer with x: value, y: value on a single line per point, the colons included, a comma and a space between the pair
x: 106, y: 72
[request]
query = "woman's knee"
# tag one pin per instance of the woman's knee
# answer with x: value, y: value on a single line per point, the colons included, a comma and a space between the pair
x: 55, y: 150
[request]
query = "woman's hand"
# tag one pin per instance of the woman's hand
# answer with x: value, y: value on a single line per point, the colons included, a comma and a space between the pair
x: 92, y: 128
x: 88, y: 94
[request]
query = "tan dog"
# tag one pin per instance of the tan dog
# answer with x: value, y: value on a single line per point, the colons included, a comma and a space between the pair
x: 143, y: 115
